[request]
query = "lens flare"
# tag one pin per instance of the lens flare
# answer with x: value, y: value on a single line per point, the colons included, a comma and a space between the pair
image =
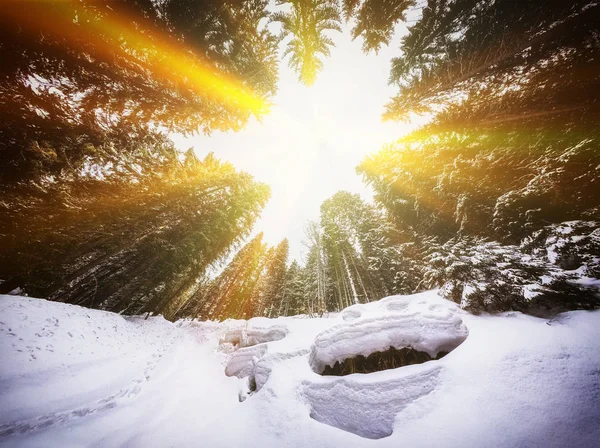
x: 112, y: 32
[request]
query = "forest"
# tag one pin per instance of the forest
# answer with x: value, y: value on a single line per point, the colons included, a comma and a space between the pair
x: 495, y: 200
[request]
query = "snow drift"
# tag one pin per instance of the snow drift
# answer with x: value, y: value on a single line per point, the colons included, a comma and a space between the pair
x: 424, y: 323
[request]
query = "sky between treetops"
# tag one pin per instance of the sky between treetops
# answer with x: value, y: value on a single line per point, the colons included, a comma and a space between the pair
x: 307, y: 148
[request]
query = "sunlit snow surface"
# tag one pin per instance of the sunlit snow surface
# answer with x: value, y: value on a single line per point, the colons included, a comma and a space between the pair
x: 70, y: 376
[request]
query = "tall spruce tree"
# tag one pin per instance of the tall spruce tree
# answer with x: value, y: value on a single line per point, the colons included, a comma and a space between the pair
x: 98, y: 207
x: 317, y: 279
x: 131, y: 247
x: 375, y: 20
x: 231, y: 294
x: 77, y: 75
x: 458, y: 45
x: 365, y: 256
x: 306, y: 25
x: 340, y: 217
x: 295, y: 293
x: 511, y: 151
x: 271, y: 293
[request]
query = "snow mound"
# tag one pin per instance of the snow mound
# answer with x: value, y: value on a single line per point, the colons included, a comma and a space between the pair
x: 369, y: 407
x: 66, y: 362
x: 264, y: 365
x: 242, y: 361
x: 421, y: 322
x: 248, y: 344
x: 247, y: 336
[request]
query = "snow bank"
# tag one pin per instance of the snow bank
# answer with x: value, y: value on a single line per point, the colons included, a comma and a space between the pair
x: 243, y: 361
x: 51, y: 355
x: 243, y: 335
x: 368, y: 408
x: 76, y: 377
x: 248, y: 344
x: 424, y: 323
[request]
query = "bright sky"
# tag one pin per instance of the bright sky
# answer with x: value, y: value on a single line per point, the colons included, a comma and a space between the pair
x: 308, y: 147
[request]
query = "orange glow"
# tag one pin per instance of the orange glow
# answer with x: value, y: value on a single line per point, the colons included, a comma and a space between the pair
x: 139, y: 42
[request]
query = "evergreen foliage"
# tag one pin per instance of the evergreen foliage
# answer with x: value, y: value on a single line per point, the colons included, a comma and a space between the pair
x: 295, y: 291
x: 317, y: 277
x: 374, y: 20
x: 306, y: 25
x: 495, y: 200
x: 79, y: 75
x: 461, y: 45
x: 98, y: 207
x: 234, y: 292
x: 129, y: 247
x: 272, y: 287
x: 256, y: 282
x: 511, y: 152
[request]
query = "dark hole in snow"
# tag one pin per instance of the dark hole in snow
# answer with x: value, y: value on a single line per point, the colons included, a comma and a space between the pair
x: 378, y: 361
x: 248, y: 390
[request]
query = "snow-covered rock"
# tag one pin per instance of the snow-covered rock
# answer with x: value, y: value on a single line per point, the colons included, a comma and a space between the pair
x: 424, y: 323
x: 243, y: 361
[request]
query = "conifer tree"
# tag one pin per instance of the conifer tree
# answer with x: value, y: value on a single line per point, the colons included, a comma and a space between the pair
x: 456, y: 46
x: 98, y: 207
x: 307, y: 24
x: 295, y: 292
x: 317, y: 279
x: 230, y: 294
x: 347, y: 225
x: 271, y: 300
x: 511, y: 150
x: 374, y: 20
x: 131, y: 247
x: 78, y: 75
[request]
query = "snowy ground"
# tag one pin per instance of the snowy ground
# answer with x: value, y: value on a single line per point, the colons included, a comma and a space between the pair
x: 70, y: 376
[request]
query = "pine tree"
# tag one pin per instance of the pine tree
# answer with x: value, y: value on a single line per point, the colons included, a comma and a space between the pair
x: 98, y: 207
x: 295, y: 292
x: 271, y: 292
x: 317, y: 279
x: 230, y: 294
x: 456, y: 46
x: 132, y: 247
x: 510, y: 152
x: 306, y: 24
x: 78, y: 75
x: 374, y: 20
x: 347, y: 222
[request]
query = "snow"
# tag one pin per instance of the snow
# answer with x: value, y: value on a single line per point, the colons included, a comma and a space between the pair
x: 368, y: 406
x: 70, y: 376
x: 555, y: 243
x: 247, y: 336
x: 532, y: 290
x: 243, y: 361
x: 427, y: 324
